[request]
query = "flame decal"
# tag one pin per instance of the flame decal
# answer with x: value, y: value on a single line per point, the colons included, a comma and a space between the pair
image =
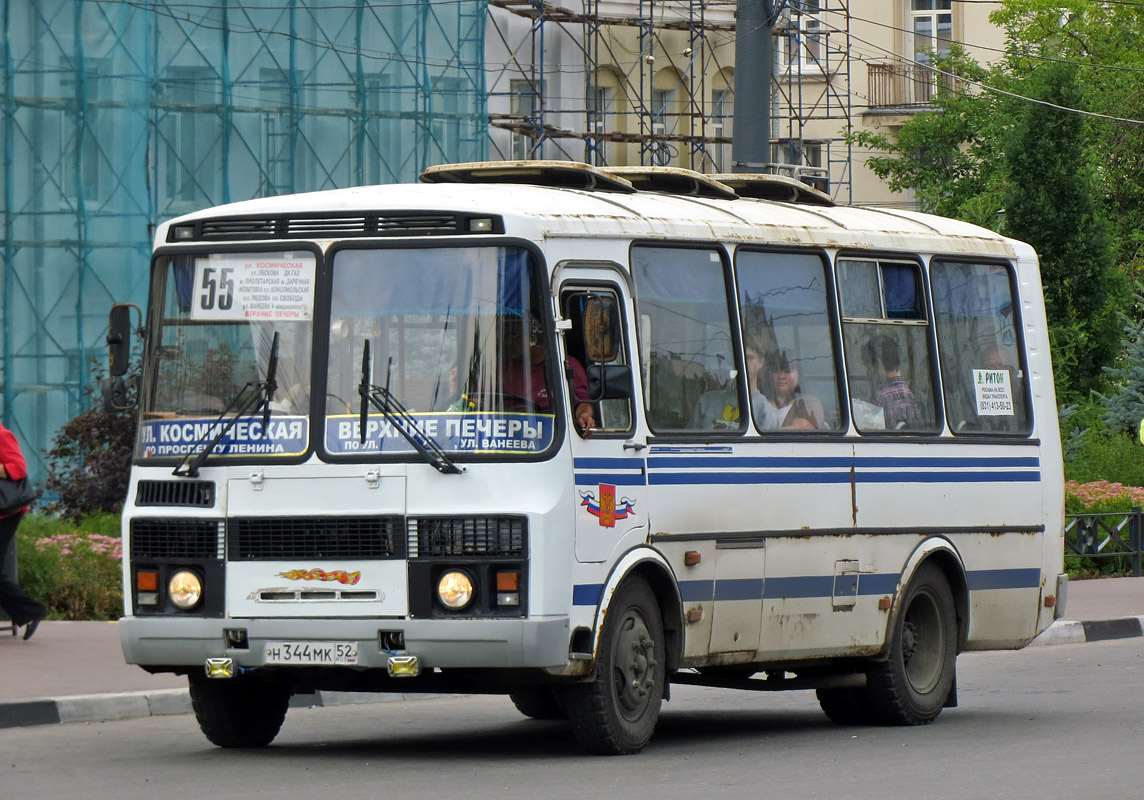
x: 341, y: 576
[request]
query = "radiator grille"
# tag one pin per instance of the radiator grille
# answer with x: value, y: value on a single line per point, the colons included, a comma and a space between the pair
x: 175, y: 493
x: 176, y: 538
x: 467, y: 536
x: 283, y: 538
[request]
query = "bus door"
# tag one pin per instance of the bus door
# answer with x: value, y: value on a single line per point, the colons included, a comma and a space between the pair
x: 609, y: 454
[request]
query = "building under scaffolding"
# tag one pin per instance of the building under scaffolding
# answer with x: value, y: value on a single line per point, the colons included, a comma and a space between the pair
x: 117, y: 115
x: 652, y: 83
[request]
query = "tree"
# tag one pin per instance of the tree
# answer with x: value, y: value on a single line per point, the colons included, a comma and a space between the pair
x: 1103, y: 41
x: 89, y: 464
x: 1051, y: 201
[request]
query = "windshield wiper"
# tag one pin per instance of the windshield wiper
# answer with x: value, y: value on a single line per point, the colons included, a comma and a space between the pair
x: 398, y: 415
x: 245, y: 402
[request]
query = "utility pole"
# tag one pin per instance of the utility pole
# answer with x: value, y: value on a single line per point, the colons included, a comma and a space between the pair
x: 754, y: 55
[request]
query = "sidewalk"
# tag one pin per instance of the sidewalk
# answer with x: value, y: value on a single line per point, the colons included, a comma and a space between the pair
x: 74, y: 671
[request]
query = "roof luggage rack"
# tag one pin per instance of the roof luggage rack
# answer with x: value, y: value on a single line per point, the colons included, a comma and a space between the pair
x: 560, y: 174
x: 674, y: 180
x: 764, y: 186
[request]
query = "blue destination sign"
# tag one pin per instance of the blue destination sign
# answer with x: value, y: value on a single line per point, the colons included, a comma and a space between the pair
x: 284, y: 436
x: 471, y: 432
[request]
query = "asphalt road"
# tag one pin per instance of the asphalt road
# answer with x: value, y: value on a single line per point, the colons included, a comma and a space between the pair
x: 1046, y: 722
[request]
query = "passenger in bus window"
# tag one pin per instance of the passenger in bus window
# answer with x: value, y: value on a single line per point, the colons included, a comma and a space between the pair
x: 718, y: 409
x: 894, y: 396
x: 792, y: 410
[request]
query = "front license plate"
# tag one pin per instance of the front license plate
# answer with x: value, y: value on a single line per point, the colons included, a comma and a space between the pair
x: 311, y: 654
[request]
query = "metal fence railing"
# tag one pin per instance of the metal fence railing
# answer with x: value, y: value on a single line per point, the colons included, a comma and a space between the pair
x: 1104, y: 536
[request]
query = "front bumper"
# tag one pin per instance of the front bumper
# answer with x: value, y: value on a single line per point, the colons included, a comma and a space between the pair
x: 453, y: 643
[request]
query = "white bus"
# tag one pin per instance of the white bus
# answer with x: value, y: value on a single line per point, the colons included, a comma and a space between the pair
x: 573, y: 436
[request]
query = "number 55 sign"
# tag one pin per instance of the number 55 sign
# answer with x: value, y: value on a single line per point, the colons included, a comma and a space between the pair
x: 256, y: 287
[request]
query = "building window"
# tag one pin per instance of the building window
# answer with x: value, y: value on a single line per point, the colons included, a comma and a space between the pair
x: 722, y: 126
x: 524, y: 102
x: 932, y: 25
x: 84, y: 176
x: 601, y: 120
x: 804, y: 48
x: 190, y: 133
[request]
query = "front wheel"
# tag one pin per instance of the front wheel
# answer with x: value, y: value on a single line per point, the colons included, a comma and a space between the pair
x: 616, y: 712
x: 239, y: 712
x: 911, y: 687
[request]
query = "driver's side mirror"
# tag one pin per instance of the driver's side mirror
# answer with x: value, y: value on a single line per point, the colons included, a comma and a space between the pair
x: 601, y: 328
x: 119, y: 332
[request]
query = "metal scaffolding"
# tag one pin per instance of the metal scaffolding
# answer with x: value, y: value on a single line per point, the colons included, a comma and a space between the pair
x: 685, y: 122
x: 119, y: 115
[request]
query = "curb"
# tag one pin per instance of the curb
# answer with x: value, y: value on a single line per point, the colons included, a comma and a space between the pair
x: 1067, y: 632
x: 166, y: 702
x: 163, y: 702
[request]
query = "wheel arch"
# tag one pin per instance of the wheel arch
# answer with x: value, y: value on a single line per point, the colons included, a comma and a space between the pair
x: 651, y: 566
x: 941, y: 552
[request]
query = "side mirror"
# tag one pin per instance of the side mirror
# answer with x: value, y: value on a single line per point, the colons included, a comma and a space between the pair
x: 609, y: 382
x: 601, y: 328
x: 119, y: 332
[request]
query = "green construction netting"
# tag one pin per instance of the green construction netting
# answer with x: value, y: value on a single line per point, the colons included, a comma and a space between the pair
x: 119, y: 114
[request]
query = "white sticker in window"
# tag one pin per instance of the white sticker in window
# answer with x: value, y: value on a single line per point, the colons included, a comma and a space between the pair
x: 993, y: 392
x: 236, y: 287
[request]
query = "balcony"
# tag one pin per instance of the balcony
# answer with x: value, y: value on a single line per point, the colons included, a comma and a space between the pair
x: 903, y: 85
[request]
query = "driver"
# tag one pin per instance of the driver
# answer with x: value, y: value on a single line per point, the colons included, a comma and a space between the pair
x: 523, y: 372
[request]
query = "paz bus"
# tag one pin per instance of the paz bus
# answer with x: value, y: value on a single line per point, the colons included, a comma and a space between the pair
x: 574, y: 435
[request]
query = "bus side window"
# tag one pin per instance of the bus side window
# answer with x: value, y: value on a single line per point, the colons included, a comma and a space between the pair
x: 885, y: 331
x: 694, y: 380
x: 984, y: 383
x: 787, y: 340
x: 595, y: 342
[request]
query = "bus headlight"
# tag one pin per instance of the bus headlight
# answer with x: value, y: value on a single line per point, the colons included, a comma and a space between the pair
x: 185, y: 589
x: 455, y: 590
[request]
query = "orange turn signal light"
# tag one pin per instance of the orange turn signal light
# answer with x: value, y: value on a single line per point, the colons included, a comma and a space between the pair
x: 508, y: 581
x: 147, y: 581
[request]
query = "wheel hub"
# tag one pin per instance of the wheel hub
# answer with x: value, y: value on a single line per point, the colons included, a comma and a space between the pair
x: 635, y: 664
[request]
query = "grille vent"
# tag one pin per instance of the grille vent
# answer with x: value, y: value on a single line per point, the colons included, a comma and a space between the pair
x: 176, y: 538
x: 467, y: 536
x: 284, y: 538
x: 175, y: 493
x: 230, y: 229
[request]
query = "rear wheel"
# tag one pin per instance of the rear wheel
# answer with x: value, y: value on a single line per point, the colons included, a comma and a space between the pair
x: 539, y: 702
x: 616, y: 712
x: 912, y: 685
x: 240, y: 711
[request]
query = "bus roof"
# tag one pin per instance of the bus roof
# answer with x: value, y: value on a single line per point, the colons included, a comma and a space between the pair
x: 580, y: 201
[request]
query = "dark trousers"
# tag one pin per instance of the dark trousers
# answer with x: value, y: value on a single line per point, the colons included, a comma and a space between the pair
x: 20, y: 608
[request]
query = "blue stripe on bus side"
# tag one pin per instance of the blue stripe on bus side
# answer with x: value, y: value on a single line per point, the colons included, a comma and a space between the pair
x: 724, y: 478
x: 980, y: 579
x: 731, y: 470
x: 844, y: 462
x: 814, y: 586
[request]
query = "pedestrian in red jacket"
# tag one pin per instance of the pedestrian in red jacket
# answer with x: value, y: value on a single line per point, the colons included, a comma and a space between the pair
x: 20, y: 608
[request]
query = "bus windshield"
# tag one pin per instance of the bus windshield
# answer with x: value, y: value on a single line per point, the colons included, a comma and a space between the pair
x: 217, y: 319
x: 456, y: 337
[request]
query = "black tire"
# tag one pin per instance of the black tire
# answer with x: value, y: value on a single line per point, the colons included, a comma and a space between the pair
x: 616, y: 713
x: 912, y: 685
x: 239, y: 712
x: 538, y: 702
x: 848, y: 706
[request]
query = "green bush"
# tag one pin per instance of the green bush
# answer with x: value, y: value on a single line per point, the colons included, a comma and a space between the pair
x: 74, y: 569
